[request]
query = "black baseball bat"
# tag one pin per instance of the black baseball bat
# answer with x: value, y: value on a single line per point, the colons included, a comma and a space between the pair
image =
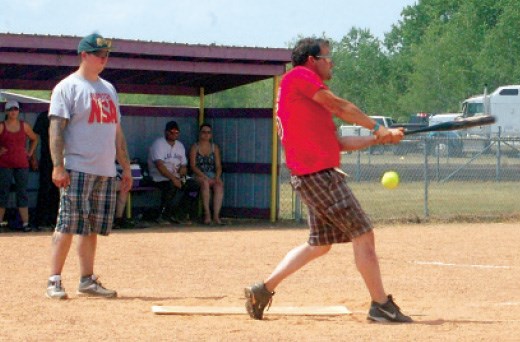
x: 456, y: 124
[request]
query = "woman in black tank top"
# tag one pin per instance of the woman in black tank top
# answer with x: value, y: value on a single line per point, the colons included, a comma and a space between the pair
x: 206, y: 164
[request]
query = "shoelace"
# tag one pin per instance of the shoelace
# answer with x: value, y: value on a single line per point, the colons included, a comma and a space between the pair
x: 95, y: 280
x: 391, y: 301
x: 57, y: 285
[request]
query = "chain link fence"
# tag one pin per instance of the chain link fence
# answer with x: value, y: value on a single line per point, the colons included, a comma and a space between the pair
x: 443, y: 177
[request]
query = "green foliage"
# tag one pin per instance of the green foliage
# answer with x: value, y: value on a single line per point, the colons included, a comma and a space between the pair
x: 255, y: 95
x: 40, y: 94
x: 159, y: 100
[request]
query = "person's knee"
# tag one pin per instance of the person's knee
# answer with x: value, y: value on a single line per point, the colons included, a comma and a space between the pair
x: 364, y: 246
x: 204, y: 185
x: 318, y: 251
x: 218, y: 188
x: 61, y: 239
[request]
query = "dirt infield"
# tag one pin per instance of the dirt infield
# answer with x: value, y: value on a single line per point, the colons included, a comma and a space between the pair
x: 460, y: 282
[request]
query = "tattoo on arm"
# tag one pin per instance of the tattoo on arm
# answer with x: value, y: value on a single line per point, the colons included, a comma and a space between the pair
x: 56, y: 139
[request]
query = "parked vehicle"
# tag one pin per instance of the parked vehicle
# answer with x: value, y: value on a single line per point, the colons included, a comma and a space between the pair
x: 416, y: 121
x: 355, y: 130
x: 410, y: 144
x: 443, y: 143
x: 444, y: 117
x: 504, y: 104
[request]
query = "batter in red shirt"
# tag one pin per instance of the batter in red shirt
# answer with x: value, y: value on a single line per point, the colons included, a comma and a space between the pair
x: 312, y: 150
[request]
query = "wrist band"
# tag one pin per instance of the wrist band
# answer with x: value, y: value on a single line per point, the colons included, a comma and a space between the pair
x: 376, y: 128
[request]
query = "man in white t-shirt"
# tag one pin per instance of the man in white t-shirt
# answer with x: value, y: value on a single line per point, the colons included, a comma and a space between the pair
x: 167, y: 164
x: 85, y: 140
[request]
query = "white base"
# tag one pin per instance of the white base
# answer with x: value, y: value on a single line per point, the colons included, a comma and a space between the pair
x: 236, y: 310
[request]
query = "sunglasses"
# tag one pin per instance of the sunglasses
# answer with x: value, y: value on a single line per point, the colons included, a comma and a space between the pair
x: 326, y: 57
x: 12, y: 108
x: 104, y: 42
x: 100, y: 53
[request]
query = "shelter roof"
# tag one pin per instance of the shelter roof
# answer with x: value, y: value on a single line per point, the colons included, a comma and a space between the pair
x: 38, y: 62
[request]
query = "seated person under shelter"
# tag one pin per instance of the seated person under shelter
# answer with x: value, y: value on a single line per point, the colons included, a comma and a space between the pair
x: 206, y: 164
x: 167, y: 164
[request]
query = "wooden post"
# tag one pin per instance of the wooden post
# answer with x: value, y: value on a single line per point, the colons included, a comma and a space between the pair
x: 201, y: 105
x: 274, y: 152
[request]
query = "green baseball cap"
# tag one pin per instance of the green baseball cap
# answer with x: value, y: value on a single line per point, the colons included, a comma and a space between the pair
x: 94, y: 42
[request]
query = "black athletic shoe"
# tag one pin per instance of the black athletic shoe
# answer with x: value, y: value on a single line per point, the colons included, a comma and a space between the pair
x: 387, y: 312
x: 257, y: 298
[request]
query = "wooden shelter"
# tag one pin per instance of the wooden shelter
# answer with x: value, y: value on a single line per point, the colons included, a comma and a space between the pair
x: 38, y: 62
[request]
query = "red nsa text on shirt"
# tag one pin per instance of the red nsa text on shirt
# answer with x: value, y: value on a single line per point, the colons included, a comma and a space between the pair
x: 103, y: 109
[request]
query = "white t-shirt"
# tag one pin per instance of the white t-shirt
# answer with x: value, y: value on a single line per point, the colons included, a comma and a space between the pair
x: 92, y: 110
x: 173, y: 158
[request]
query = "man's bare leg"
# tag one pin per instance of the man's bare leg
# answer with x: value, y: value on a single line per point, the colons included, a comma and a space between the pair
x: 368, y: 265
x: 293, y: 261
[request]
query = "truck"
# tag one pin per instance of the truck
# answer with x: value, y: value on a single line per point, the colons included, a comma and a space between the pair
x: 416, y: 121
x: 355, y: 130
x: 415, y: 143
x: 411, y: 144
x: 504, y: 104
x: 444, y: 117
x: 408, y: 145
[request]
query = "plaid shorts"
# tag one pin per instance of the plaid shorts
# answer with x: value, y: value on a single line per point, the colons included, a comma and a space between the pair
x: 335, y: 215
x: 87, y: 205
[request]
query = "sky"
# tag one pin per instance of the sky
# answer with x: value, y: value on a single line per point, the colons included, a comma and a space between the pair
x: 251, y: 23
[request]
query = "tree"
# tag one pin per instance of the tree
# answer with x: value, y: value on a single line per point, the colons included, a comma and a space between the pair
x: 497, y: 64
x: 360, y: 72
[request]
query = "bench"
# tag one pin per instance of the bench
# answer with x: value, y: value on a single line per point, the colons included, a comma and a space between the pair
x: 139, y: 189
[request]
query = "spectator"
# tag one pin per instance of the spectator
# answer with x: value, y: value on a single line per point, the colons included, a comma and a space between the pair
x: 48, y: 193
x: 206, y: 164
x: 14, y: 162
x: 167, y: 165
x: 85, y: 139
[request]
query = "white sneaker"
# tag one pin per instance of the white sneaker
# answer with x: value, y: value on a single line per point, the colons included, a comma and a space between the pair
x: 93, y: 288
x: 55, y: 290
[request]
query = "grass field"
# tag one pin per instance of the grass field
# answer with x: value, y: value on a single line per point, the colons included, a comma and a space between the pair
x: 446, y: 201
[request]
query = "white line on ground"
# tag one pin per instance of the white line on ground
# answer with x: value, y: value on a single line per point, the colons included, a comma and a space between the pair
x: 508, y: 303
x: 440, y: 263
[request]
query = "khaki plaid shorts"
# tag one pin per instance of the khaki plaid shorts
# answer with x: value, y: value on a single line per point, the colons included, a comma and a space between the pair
x: 335, y: 215
x: 87, y: 205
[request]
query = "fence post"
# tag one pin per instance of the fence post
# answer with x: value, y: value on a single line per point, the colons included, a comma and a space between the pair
x: 426, y: 178
x: 498, y: 154
x: 297, y: 207
x: 358, y: 166
x: 358, y: 161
